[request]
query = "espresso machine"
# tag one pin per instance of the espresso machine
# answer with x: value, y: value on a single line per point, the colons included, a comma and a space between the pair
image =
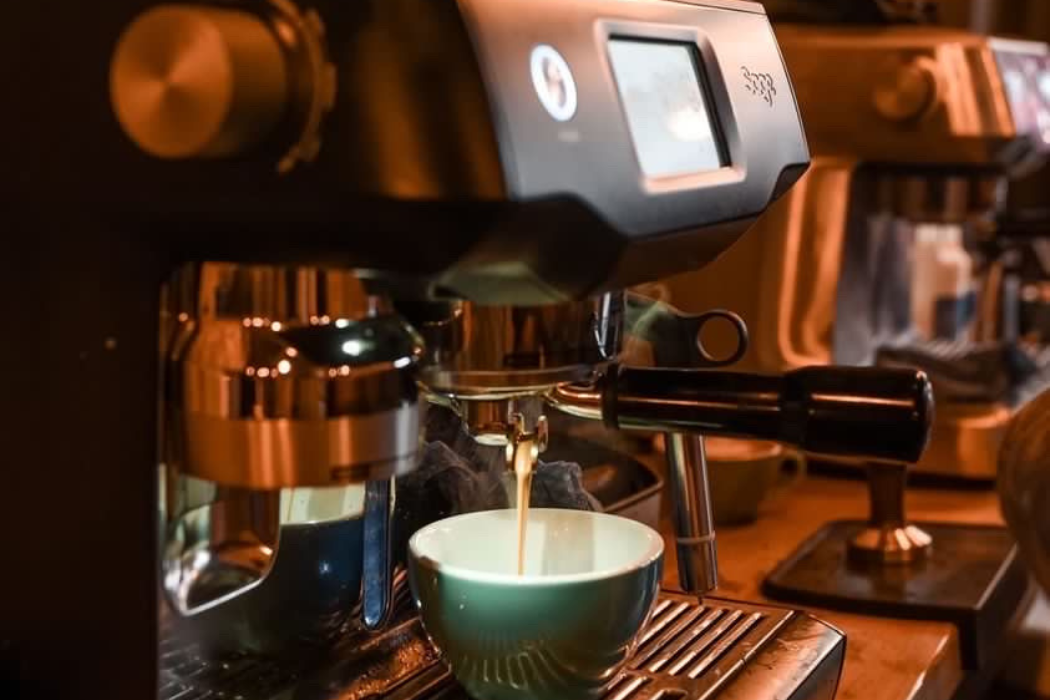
x: 251, y: 241
x: 876, y: 252
x: 1018, y: 255
x: 915, y: 131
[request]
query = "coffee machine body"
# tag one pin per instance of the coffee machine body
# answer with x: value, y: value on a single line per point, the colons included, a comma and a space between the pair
x: 915, y: 132
x: 257, y: 185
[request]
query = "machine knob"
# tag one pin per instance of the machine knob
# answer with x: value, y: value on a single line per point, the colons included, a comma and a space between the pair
x: 191, y: 81
x: 906, y: 92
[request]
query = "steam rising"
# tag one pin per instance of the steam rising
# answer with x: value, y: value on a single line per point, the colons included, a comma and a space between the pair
x: 457, y: 475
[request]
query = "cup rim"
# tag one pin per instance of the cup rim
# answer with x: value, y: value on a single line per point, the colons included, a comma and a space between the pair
x: 651, y: 555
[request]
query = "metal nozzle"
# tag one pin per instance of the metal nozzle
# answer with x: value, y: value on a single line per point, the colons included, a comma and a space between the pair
x: 693, y: 519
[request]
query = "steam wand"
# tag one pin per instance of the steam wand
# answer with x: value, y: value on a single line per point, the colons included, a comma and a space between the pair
x: 877, y: 414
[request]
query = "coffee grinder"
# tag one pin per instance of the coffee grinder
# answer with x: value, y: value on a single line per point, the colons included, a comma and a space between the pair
x: 256, y: 238
x: 915, y: 131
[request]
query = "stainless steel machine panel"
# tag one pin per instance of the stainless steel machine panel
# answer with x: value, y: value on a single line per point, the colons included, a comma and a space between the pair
x: 689, y: 650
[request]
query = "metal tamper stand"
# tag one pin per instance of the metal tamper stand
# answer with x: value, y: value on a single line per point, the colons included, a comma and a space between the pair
x: 969, y: 575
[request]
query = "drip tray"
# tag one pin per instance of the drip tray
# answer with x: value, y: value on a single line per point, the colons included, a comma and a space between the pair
x: 689, y: 650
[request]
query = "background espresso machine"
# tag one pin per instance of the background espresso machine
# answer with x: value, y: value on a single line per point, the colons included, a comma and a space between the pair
x: 251, y: 240
x: 877, y: 256
x: 914, y: 130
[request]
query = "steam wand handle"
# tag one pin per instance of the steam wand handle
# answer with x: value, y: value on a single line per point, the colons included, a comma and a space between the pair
x: 878, y: 414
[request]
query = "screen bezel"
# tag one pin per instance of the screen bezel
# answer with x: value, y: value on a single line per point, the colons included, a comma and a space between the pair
x: 713, y: 90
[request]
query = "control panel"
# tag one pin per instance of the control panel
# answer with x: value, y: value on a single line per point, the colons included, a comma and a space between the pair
x: 512, y: 139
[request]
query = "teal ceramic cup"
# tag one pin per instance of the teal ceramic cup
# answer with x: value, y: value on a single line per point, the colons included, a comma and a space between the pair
x: 564, y: 629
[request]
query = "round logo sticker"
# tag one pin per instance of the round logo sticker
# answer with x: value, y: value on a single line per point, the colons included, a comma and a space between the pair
x: 553, y: 82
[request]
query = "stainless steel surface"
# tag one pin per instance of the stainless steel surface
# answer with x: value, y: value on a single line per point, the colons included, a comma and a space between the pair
x: 495, y: 364
x: 890, y: 545
x: 579, y: 400
x: 279, y: 377
x: 192, y: 81
x: 362, y: 662
x: 889, y: 538
x: 264, y: 294
x: 318, y: 453
x: 676, y: 341
x: 377, y: 587
x: 693, y: 518
x: 495, y: 352
x: 199, y: 81
x: 285, y: 376
x: 498, y: 421
x: 217, y: 551
x: 689, y: 650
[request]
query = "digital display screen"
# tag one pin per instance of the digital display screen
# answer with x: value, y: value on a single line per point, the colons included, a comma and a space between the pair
x: 666, y: 107
x: 1026, y: 77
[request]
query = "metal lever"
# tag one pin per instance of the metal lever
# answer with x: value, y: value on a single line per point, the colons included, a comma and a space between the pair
x: 378, y: 587
x: 873, y: 413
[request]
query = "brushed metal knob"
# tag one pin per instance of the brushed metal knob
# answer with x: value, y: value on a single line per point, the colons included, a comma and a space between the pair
x: 191, y: 81
x: 906, y: 92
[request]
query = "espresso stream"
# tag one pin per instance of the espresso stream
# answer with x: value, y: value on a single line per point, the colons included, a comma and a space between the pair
x: 523, y: 466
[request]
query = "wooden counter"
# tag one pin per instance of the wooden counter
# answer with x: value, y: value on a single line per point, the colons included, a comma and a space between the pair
x: 886, y: 659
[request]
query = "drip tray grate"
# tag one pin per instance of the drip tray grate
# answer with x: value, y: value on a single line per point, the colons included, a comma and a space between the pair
x: 689, y: 650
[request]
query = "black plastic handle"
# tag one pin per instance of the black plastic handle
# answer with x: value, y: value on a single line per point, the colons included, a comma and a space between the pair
x: 870, y: 413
